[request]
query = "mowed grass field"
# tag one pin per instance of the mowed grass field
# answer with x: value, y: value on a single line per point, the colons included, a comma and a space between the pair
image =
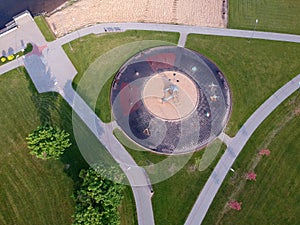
x: 44, y: 28
x: 254, y: 70
x: 174, y: 197
x: 34, y: 191
x: 274, y: 197
x: 273, y: 15
x: 87, y: 49
x: 84, y: 51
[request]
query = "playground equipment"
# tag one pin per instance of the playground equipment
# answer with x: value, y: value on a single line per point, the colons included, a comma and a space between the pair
x: 172, y: 91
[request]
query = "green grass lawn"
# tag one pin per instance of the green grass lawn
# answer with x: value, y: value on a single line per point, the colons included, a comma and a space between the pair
x: 35, y: 191
x: 44, y: 28
x: 254, y: 70
x: 32, y: 191
x: 273, y: 15
x: 173, y: 198
x: 127, y: 209
x: 274, y: 197
x: 141, y: 156
x: 87, y: 50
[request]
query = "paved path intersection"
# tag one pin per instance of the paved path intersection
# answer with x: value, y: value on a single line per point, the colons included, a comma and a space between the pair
x: 50, y: 74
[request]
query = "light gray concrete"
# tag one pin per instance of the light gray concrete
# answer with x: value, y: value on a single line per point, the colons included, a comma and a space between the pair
x: 182, y: 39
x: 234, y: 148
x: 99, y: 28
x: 51, y: 70
x: 138, y: 179
x: 11, y: 65
x: 225, y: 138
x: 27, y: 31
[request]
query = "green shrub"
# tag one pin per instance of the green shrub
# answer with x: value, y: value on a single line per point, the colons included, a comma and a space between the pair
x: 48, y: 142
x: 28, y: 48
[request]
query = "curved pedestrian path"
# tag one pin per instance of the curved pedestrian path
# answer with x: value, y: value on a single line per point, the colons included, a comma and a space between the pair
x: 182, y: 29
x: 45, y: 71
x: 234, y: 148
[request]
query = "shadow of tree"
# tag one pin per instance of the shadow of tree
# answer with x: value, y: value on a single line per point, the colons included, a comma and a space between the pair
x: 72, y: 158
x: 43, y: 103
x: 87, y: 150
x: 53, y: 109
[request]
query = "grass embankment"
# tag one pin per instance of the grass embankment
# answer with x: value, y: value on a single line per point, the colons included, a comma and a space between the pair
x: 273, y: 15
x: 35, y: 191
x: 87, y: 50
x: 274, y: 197
x: 44, y: 28
x: 174, y: 197
x: 254, y: 70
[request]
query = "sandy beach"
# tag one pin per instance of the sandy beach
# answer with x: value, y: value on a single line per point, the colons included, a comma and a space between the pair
x: 87, y: 12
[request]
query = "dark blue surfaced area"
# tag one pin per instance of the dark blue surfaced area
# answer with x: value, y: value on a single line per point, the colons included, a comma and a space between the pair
x: 10, y: 8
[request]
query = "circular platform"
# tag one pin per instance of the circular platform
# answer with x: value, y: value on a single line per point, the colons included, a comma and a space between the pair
x: 170, y: 95
x: 170, y: 100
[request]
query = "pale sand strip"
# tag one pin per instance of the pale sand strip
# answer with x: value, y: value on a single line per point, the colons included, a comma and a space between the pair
x: 87, y: 12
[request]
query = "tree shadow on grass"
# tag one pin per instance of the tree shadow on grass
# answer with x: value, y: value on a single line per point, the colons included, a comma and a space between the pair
x: 72, y: 158
x: 52, y: 109
x: 43, y: 102
x: 88, y: 147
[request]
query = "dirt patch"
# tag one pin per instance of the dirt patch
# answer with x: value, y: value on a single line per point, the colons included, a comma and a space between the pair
x: 211, y: 13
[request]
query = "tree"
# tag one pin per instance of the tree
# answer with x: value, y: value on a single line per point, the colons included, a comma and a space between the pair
x: 98, y: 198
x: 48, y: 142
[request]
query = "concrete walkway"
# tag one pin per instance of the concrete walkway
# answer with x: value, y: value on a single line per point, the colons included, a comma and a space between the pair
x: 15, y: 40
x: 225, y: 138
x: 11, y: 65
x: 51, y: 71
x: 182, y: 39
x: 234, y: 148
x: 139, y: 181
x: 182, y: 29
x: 50, y: 74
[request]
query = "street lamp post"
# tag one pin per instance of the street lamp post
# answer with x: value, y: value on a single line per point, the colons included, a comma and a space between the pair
x: 256, y: 22
x: 73, y: 19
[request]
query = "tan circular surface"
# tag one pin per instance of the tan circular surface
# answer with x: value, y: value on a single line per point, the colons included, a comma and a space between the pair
x: 180, y: 103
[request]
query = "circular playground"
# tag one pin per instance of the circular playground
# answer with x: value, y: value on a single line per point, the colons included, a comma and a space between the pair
x: 170, y: 100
